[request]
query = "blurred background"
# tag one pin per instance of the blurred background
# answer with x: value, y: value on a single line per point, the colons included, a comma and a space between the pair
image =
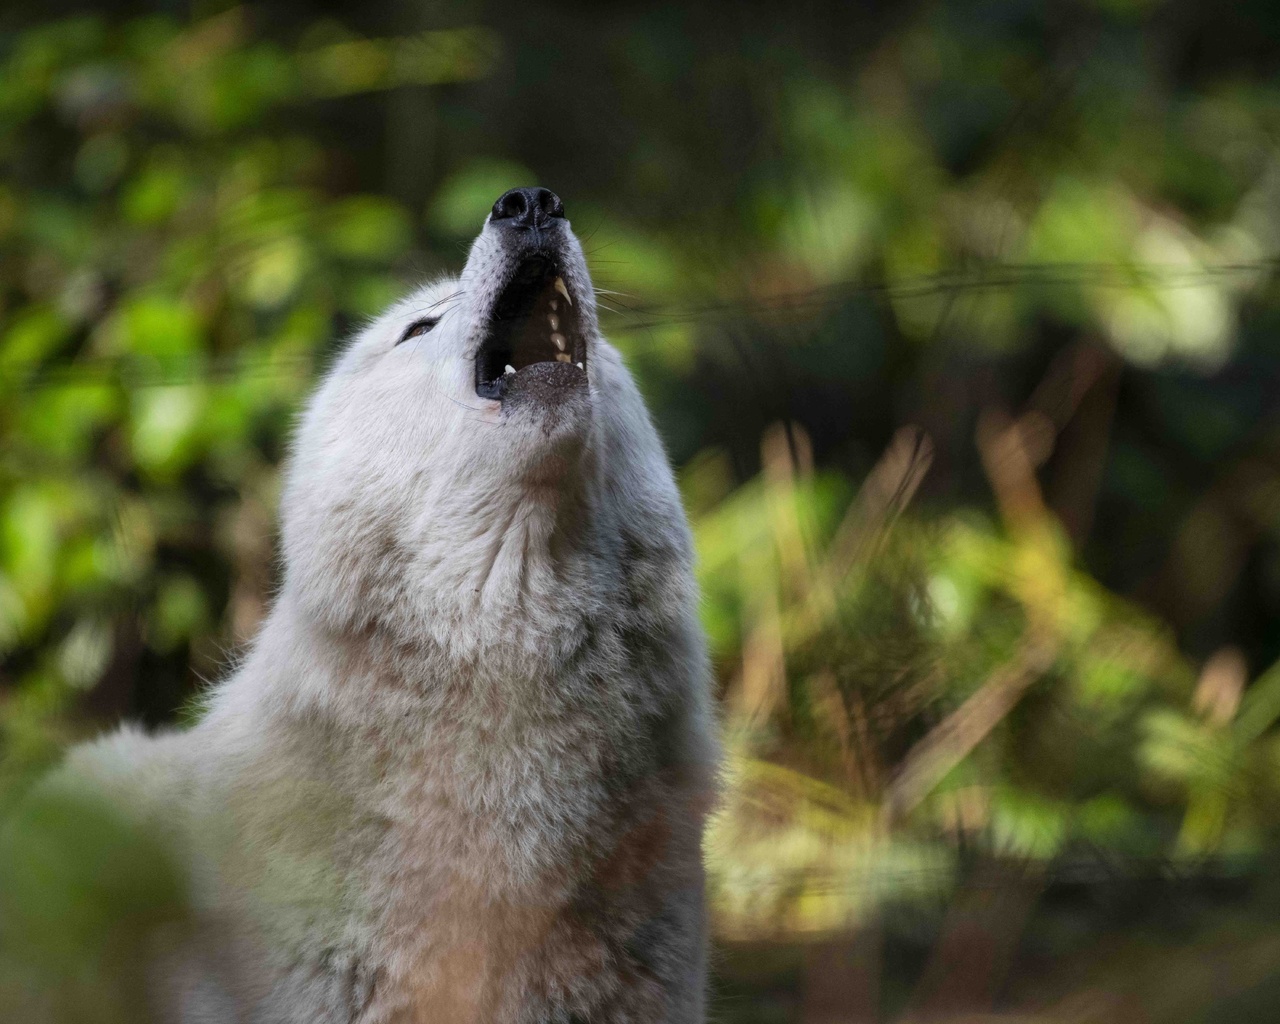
x: 960, y: 321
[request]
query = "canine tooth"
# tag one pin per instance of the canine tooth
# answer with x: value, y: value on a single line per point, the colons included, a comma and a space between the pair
x: 553, y: 321
x: 559, y: 341
x: 563, y: 357
x: 563, y: 290
x: 508, y: 369
x: 581, y: 367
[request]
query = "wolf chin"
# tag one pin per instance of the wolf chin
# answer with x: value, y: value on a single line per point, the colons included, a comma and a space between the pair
x: 461, y: 774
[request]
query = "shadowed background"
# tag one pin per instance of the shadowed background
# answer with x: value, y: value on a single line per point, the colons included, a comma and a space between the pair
x: 960, y: 321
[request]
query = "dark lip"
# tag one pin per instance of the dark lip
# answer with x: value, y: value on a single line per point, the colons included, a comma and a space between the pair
x: 527, y: 316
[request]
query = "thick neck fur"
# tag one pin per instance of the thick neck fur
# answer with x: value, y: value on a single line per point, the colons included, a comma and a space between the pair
x: 500, y: 592
x: 542, y: 662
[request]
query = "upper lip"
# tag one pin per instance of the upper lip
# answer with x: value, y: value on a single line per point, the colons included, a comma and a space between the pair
x: 533, y: 320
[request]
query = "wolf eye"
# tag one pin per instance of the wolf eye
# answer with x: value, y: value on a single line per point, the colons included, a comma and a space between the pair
x: 418, y: 328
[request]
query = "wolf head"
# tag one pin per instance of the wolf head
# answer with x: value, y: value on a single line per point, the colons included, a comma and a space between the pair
x: 478, y: 467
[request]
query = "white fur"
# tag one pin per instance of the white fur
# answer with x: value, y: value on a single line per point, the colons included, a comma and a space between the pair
x: 462, y: 773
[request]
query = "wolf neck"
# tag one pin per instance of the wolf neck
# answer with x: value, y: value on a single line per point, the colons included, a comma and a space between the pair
x: 496, y: 581
x: 487, y: 636
x: 496, y: 555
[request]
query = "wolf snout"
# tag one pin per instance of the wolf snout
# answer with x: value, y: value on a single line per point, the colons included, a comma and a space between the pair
x: 524, y: 209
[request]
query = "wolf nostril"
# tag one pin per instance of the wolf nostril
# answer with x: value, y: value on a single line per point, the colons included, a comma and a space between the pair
x: 528, y: 207
x: 550, y: 204
x: 513, y: 204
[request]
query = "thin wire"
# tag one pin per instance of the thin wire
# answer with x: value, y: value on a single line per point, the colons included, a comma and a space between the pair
x: 134, y: 371
x: 996, y: 278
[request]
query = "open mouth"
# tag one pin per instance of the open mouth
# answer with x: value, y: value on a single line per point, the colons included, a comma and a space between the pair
x: 534, y: 321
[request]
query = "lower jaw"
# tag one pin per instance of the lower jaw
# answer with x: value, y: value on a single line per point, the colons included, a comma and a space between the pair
x: 551, y: 384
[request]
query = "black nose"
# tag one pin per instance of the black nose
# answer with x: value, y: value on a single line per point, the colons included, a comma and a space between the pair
x: 528, y: 207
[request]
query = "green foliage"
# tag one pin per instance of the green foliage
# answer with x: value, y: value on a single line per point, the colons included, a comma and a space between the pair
x: 945, y: 684
x: 86, y: 894
x: 162, y: 309
x: 1050, y: 649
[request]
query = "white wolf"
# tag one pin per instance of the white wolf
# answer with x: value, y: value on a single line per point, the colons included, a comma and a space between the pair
x: 462, y: 773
